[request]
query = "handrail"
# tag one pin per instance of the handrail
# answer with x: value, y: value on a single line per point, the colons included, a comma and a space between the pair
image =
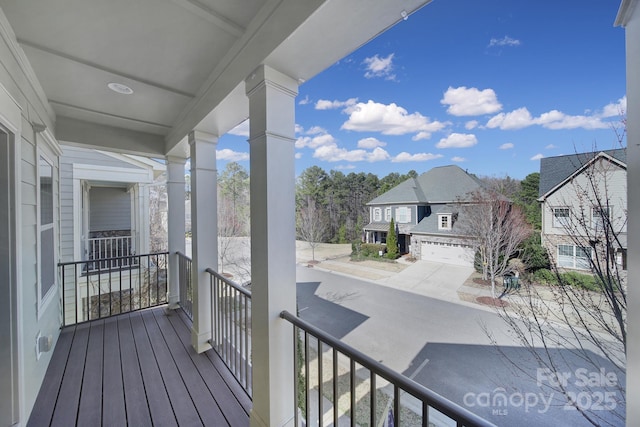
x: 427, y: 396
x: 184, y: 283
x: 231, y: 283
x: 89, y: 294
x: 231, y: 327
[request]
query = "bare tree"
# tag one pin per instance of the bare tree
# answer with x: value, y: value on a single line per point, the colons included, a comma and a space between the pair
x: 588, y: 325
x: 233, y: 218
x: 311, y: 224
x: 495, y: 228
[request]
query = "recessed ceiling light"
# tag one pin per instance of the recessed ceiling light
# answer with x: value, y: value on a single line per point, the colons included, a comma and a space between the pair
x: 120, y: 88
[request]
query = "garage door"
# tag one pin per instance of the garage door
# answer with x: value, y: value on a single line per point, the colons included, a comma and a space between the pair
x: 447, y: 253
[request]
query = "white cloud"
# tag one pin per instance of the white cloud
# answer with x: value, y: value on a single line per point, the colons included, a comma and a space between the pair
x: 506, y: 146
x: 299, y: 128
x: 516, y: 119
x: 369, y: 143
x: 241, y: 130
x: 554, y: 119
x: 537, y: 157
x: 345, y: 167
x: 458, y: 159
x: 325, y: 104
x: 458, y: 140
x: 333, y: 153
x: 304, y: 101
x: 550, y: 147
x: 417, y: 157
x: 315, y: 141
x: 471, y: 124
x: 463, y: 101
x: 230, y: 155
x: 380, y: 67
x: 504, y: 41
x: 298, y: 155
x: 615, y: 109
x: 315, y: 130
x: 389, y: 120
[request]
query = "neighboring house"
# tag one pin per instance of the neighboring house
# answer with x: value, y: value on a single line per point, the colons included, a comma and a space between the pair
x: 425, y: 210
x: 578, y: 192
x: 104, y: 213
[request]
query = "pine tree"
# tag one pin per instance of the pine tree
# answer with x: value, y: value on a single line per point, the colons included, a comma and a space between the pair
x: 392, y: 241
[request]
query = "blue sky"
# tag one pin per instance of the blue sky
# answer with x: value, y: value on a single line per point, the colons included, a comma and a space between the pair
x: 489, y: 85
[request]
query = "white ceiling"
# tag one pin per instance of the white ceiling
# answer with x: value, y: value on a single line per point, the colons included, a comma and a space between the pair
x: 186, y: 60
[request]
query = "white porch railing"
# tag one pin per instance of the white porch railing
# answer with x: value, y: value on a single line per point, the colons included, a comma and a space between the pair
x: 108, y: 252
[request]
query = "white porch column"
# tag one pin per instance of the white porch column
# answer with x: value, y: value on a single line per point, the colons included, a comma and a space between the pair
x: 273, y: 275
x: 629, y: 17
x: 204, y: 227
x: 175, y: 224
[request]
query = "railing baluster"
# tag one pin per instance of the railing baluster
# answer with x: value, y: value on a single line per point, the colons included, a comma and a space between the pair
x: 352, y: 390
x: 399, y: 382
x: 100, y: 281
x: 320, y: 388
x: 372, y: 393
x: 335, y: 387
x: 307, y: 405
x: 296, y: 374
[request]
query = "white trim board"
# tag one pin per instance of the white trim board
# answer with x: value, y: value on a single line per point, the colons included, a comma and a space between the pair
x: 111, y: 173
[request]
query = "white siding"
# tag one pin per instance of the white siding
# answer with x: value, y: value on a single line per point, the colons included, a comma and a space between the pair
x: 21, y: 104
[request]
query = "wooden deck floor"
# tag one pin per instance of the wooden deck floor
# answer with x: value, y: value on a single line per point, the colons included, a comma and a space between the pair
x: 137, y: 369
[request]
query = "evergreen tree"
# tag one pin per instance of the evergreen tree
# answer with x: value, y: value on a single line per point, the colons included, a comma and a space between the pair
x: 392, y: 241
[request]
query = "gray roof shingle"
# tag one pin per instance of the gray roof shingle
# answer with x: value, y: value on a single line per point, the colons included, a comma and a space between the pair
x: 439, y: 185
x: 554, y: 170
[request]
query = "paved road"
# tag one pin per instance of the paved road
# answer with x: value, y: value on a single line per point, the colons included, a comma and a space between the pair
x: 442, y: 345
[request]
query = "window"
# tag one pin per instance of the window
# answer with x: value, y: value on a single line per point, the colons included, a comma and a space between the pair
x: 560, y: 217
x: 571, y: 256
x: 377, y: 214
x: 387, y: 214
x: 444, y: 222
x: 600, y: 216
x: 46, y: 220
x: 403, y: 215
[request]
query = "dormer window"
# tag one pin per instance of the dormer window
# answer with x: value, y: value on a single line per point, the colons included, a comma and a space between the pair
x: 444, y: 222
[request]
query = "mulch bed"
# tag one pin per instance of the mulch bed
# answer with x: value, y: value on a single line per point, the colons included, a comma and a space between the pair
x: 480, y: 281
x: 493, y: 302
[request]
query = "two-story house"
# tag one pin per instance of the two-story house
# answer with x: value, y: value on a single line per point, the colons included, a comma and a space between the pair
x: 425, y: 210
x: 584, y: 196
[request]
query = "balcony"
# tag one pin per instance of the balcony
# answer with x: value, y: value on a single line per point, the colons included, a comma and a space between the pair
x: 139, y: 367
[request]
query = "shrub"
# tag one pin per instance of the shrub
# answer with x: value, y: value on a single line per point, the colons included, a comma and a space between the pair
x: 579, y: 280
x: 372, y: 249
x: 545, y: 276
x: 534, y: 255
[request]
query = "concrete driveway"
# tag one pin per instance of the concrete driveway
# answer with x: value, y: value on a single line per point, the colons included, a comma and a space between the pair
x: 432, y: 279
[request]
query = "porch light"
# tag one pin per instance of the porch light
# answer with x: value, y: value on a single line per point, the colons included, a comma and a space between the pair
x: 120, y: 88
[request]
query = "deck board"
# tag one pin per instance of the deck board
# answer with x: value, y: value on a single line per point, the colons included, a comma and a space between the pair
x: 47, y: 397
x: 113, y: 408
x: 236, y: 403
x: 91, y: 396
x: 137, y: 369
x: 135, y: 399
x: 66, y: 411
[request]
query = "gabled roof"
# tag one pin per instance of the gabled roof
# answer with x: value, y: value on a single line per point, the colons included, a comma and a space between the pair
x: 439, y: 185
x: 554, y: 171
x: 429, y: 224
